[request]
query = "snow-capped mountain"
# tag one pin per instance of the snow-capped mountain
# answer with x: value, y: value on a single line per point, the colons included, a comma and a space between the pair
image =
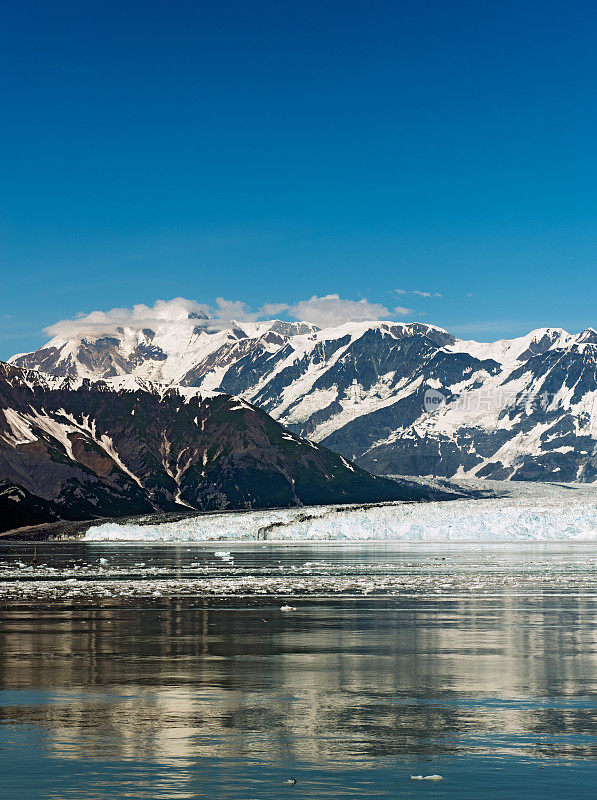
x: 396, y: 398
x: 76, y: 449
x: 181, y: 352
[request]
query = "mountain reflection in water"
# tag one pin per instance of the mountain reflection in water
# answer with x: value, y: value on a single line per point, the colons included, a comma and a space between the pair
x: 216, y: 697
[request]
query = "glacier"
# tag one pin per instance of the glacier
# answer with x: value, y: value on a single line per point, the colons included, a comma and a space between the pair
x: 536, y: 512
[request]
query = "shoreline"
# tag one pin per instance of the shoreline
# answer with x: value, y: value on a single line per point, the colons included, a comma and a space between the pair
x: 448, y: 491
x: 72, y: 530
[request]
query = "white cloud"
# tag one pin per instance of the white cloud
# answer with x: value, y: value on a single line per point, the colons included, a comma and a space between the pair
x: 228, y: 310
x: 325, y: 312
x: 273, y: 309
x: 418, y: 292
x: 331, y: 310
x: 178, y: 312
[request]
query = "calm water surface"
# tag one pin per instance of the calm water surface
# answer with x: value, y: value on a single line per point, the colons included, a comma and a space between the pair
x: 170, y: 672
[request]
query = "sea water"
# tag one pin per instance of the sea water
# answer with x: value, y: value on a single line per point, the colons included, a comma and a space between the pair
x: 156, y: 670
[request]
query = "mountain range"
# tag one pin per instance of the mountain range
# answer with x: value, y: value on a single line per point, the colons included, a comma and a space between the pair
x: 394, y: 398
x: 72, y: 448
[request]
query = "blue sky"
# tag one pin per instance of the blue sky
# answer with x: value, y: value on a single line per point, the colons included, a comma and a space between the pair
x: 269, y: 152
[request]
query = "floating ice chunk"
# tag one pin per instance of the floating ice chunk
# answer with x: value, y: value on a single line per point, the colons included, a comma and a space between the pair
x: 287, y: 608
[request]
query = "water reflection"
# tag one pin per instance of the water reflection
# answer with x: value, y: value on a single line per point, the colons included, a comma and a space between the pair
x: 327, y: 682
x: 334, y: 686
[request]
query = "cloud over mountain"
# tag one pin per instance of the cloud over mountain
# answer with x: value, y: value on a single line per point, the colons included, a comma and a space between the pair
x: 326, y: 311
x: 331, y: 310
x: 174, y: 312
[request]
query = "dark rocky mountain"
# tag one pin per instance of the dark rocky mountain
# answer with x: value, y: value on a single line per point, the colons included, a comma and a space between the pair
x: 523, y: 409
x: 76, y: 449
x: 20, y: 508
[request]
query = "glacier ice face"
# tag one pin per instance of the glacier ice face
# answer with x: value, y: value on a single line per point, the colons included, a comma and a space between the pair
x: 536, y: 513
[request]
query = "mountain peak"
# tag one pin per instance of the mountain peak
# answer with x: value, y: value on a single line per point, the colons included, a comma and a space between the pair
x: 360, y: 388
x: 588, y: 336
x: 81, y: 449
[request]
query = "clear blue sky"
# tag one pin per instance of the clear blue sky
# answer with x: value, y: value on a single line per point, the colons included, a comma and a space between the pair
x: 271, y: 151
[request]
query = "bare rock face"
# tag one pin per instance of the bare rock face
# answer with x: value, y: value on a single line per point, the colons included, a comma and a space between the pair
x: 80, y: 449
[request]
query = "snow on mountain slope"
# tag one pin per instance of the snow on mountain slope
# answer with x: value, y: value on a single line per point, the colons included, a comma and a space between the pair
x: 524, y: 408
x: 168, y: 354
x: 72, y: 448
